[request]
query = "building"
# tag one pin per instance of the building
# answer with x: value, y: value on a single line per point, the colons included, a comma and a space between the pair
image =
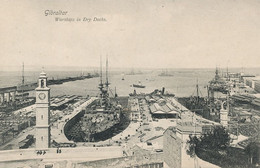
x: 172, y: 148
x: 174, y: 144
x: 224, y: 117
x: 42, y: 113
x: 164, y: 109
x: 7, y: 94
x: 257, y: 86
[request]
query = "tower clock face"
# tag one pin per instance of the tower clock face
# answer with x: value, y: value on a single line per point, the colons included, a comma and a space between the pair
x: 42, y: 96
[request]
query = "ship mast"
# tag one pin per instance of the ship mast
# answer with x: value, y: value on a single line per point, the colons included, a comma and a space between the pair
x: 197, y: 89
x: 23, y: 82
x: 115, y: 92
x: 216, y: 74
x: 101, y: 84
x: 227, y: 74
x: 107, y: 83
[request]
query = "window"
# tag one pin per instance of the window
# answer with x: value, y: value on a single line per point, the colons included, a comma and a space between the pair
x: 42, y: 117
x: 42, y: 138
x: 49, y: 166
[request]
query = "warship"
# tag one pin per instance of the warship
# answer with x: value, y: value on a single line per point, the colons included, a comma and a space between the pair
x: 100, y: 118
x: 102, y: 114
x: 218, y: 84
x: 133, y: 72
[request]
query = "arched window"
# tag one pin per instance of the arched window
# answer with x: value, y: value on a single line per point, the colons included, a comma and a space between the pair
x: 42, y: 83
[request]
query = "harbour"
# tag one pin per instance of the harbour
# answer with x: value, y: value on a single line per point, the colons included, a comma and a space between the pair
x: 130, y: 84
x: 146, y: 117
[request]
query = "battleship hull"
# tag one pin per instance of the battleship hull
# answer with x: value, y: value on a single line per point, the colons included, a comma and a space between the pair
x: 82, y: 129
x: 97, y: 123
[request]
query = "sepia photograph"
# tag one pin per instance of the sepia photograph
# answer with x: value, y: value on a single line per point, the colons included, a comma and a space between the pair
x: 130, y: 84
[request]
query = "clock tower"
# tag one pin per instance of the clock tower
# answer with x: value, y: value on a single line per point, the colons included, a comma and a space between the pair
x: 42, y: 113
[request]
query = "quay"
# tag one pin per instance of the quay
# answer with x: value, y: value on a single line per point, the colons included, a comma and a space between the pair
x: 76, y: 154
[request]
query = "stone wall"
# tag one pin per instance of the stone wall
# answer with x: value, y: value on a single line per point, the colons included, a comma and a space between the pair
x: 172, y: 146
x: 125, y: 162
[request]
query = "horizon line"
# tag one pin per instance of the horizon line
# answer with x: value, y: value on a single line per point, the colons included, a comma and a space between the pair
x: 83, y: 68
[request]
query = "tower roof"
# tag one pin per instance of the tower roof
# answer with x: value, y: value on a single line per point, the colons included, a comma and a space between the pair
x: 43, y: 74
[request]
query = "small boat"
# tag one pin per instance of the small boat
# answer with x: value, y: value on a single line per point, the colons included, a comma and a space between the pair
x: 139, y: 85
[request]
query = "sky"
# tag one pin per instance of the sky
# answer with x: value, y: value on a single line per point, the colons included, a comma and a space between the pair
x: 136, y: 33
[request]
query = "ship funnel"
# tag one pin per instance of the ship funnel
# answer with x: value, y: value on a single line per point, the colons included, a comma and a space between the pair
x: 163, y: 89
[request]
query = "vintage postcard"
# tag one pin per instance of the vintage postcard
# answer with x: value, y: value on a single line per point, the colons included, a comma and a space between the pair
x: 129, y: 84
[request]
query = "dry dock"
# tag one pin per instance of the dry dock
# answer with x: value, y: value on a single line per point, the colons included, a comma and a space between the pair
x: 57, y: 131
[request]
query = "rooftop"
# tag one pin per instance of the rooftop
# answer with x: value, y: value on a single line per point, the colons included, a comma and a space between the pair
x: 165, y: 108
x: 188, y: 127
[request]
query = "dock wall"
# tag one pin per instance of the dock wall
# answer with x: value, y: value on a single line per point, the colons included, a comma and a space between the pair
x: 72, y: 122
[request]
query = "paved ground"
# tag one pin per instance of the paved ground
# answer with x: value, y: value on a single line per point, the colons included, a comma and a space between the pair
x: 83, y: 153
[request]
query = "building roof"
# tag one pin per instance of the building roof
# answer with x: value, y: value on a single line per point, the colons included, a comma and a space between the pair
x: 188, y: 127
x: 60, y: 102
x: 165, y: 108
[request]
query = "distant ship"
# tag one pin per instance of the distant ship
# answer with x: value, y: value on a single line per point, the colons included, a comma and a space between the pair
x: 135, y: 73
x: 165, y: 73
x: 139, y: 85
x: 218, y: 84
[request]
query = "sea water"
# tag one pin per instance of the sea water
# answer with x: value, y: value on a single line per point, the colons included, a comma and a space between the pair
x: 182, y: 83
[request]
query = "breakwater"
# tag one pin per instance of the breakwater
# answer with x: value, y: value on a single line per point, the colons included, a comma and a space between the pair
x: 33, y: 85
